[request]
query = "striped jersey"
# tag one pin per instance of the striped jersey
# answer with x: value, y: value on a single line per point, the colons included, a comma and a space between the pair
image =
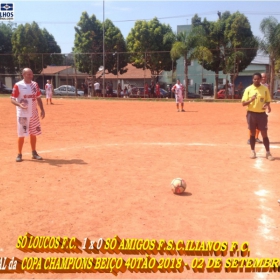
x: 26, y: 94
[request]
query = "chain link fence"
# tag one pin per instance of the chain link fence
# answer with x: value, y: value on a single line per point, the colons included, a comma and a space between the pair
x: 81, y: 71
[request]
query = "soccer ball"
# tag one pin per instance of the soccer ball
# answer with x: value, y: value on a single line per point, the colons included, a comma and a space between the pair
x: 178, y: 185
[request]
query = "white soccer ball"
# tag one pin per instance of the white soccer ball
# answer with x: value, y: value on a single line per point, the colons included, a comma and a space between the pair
x: 178, y: 185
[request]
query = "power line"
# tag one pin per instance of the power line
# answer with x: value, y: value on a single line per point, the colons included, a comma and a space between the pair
x: 170, y: 17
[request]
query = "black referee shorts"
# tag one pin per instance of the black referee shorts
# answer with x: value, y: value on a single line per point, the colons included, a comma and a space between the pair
x: 257, y: 120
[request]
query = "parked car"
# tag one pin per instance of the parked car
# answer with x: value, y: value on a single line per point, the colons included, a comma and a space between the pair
x: 276, y: 95
x: 221, y: 94
x: 221, y: 86
x: 192, y: 95
x: 138, y: 92
x: 67, y: 90
x: 115, y: 93
x: 164, y: 93
x: 238, y: 94
x: 206, y: 89
x: 5, y: 89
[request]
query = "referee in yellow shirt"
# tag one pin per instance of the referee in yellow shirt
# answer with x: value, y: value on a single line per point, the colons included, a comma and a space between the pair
x: 257, y: 98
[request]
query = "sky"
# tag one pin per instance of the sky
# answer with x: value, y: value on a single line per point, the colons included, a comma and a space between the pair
x: 60, y: 17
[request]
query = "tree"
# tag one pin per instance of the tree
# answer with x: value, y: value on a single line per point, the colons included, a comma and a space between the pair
x: 53, y: 54
x: 270, y: 44
x: 29, y: 43
x: 241, y: 46
x: 115, y: 47
x: 190, y: 45
x: 150, y: 43
x: 277, y: 68
x: 214, y: 33
x: 88, y: 48
x: 232, y: 44
x: 88, y: 38
x: 6, y: 56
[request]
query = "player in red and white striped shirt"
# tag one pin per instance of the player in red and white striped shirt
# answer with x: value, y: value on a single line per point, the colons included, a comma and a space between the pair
x: 26, y: 95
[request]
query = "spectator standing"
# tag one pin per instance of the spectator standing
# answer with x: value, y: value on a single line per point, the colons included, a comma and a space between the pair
x: 125, y: 92
x: 97, y: 90
x: 157, y: 90
x: 90, y: 88
x: 84, y: 88
x: 152, y: 89
x: 119, y: 89
x: 146, y: 90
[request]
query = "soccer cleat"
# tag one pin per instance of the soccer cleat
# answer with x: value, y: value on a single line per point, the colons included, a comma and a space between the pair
x: 258, y: 140
x: 19, y: 158
x: 269, y: 156
x: 253, y: 155
x: 36, y: 156
x: 248, y: 142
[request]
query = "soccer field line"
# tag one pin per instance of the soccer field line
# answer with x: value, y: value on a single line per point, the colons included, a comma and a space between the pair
x: 167, y: 144
x: 265, y: 221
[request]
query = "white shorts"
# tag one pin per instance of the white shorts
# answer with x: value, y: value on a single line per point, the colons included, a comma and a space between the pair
x: 48, y: 94
x: 179, y: 98
x: 28, y: 126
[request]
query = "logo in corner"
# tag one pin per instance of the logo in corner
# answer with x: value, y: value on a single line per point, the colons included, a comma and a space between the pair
x: 7, y: 11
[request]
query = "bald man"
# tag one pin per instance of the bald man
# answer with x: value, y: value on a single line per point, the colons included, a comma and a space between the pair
x: 25, y: 96
x: 264, y: 80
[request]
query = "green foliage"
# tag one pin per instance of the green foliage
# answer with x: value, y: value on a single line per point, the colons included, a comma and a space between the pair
x: 277, y: 67
x: 231, y: 43
x: 52, y: 50
x: 114, y: 41
x: 6, y: 57
x: 88, y: 45
x: 241, y: 46
x: 149, y: 43
x: 29, y: 43
x: 270, y: 44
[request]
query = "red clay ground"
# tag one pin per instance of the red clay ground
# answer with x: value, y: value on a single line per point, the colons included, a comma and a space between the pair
x: 107, y: 170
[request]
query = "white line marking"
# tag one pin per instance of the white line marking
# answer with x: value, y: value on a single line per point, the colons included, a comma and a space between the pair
x: 265, y: 228
x: 262, y: 192
x: 141, y: 144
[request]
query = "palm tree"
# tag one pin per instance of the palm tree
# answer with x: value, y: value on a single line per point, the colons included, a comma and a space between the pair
x: 270, y: 44
x: 189, y: 45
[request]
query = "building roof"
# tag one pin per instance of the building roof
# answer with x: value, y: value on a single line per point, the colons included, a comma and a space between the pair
x: 54, y: 69
x: 261, y: 59
x: 131, y: 73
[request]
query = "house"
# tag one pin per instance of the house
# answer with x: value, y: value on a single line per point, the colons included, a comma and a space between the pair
x: 61, y: 75
x: 133, y: 76
x: 67, y: 75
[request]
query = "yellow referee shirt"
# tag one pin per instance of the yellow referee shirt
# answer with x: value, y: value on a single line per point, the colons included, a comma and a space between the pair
x: 263, y: 96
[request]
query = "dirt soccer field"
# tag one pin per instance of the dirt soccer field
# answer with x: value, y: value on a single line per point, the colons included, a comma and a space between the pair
x: 107, y: 170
